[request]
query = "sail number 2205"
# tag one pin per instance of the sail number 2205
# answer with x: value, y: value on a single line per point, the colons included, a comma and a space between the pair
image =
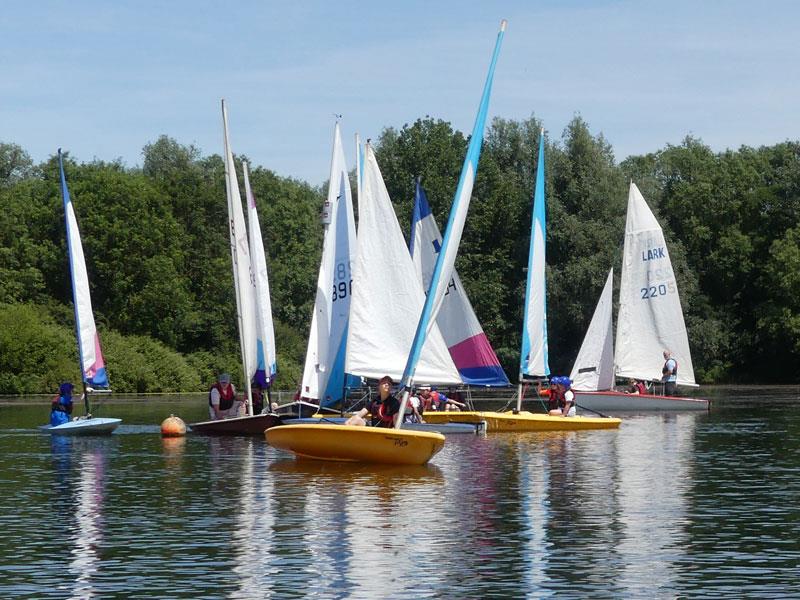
x: 661, y: 289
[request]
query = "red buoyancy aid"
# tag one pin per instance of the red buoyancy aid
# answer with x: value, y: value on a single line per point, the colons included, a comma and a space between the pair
x: 379, y: 410
x: 640, y: 387
x: 226, y: 398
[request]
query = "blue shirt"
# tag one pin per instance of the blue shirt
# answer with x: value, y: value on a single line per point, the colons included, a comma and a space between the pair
x: 670, y: 366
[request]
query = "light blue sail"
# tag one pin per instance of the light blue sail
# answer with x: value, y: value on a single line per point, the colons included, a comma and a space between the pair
x: 445, y: 262
x: 534, y: 354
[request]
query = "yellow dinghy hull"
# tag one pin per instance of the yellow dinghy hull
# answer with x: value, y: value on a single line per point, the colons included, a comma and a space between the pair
x: 350, y: 443
x: 523, y: 421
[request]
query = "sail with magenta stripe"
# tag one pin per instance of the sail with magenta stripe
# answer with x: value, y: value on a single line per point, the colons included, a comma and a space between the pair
x: 266, y: 358
x: 93, y: 366
x: 468, y: 345
x: 534, y: 355
x: 323, y: 374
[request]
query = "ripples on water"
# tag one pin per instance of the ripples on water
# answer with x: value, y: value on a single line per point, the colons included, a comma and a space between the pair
x: 699, y: 505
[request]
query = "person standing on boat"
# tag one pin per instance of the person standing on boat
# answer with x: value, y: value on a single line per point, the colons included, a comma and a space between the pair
x: 385, y: 406
x: 669, y: 374
x: 222, y: 399
x: 61, y: 405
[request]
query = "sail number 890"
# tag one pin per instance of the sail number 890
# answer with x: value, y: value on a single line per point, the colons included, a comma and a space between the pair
x: 342, y: 289
x: 657, y: 290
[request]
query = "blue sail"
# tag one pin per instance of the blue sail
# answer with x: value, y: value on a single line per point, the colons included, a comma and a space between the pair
x: 445, y: 262
x: 534, y: 353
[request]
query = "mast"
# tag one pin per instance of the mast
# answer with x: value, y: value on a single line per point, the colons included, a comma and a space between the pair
x: 445, y: 262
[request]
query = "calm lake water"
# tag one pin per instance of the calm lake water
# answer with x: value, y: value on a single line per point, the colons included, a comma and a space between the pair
x: 670, y: 505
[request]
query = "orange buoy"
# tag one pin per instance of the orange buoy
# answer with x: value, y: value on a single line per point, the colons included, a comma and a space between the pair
x: 173, y: 426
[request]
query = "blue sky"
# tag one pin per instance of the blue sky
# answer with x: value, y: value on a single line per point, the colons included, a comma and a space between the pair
x: 102, y: 79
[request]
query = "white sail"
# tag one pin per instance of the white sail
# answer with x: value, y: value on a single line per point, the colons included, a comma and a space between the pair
x: 387, y: 295
x: 93, y: 368
x: 266, y: 357
x: 323, y: 374
x: 243, y: 275
x: 594, y: 368
x: 650, y: 315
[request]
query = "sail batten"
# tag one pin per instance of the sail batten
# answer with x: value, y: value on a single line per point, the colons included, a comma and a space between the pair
x: 90, y: 355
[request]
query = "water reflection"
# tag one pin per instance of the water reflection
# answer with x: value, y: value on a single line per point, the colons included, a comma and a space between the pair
x: 252, y: 536
x: 80, y: 468
x: 340, y: 520
x: 655, y: 458
x: 668, y: 506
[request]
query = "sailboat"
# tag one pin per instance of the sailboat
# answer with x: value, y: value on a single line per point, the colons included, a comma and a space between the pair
x: 392, y: 319
x: 254, y: 317
x: 534, y: 349
x: 650, y: 320
x: 469, y: 347
x: 90, y: 355
x: 323, y: 375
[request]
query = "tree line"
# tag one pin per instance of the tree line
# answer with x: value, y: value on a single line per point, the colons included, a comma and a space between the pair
x: 157, y: 251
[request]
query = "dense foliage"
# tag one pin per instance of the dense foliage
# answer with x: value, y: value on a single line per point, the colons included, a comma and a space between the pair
x: 157, y: 251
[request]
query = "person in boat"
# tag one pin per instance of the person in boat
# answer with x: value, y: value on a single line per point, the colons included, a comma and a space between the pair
x: 413, y: 412
x: 61, y: 405
x: 384, y: 408
x: 222, y: 402
x: 257, y: 390
x: 566, y: 399
x: 442, y: 402
x: 455, y: 395
x: 551, y: 393
x: 669, y: 374
x: 637, y: 387
x: 358, y: 419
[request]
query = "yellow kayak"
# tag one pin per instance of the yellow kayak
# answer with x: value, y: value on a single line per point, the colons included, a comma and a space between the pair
x: 356, y: 444
x: 522, y: 421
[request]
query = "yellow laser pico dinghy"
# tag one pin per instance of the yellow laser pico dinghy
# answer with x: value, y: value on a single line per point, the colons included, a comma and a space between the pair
x: 352, y: 443
x: 523, y: 421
